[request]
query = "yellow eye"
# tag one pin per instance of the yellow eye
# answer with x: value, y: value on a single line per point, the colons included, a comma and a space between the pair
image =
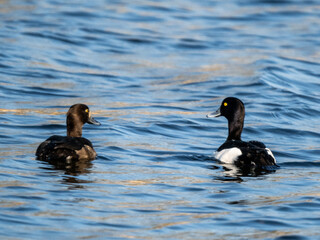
x: 87, y: 110
x: 225, y: 104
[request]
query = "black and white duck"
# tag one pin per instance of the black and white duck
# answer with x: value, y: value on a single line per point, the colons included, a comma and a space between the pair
x: 234, y: 150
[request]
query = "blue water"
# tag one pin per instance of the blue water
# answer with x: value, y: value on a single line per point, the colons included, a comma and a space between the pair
x: 150, y: 71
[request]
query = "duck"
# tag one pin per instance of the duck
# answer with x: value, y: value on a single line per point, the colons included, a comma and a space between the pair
x: 66, y: 149
x: 234, y: 151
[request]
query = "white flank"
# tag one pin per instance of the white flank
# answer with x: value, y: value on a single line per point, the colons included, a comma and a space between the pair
x: 270, y: 153
x: 228, y: 155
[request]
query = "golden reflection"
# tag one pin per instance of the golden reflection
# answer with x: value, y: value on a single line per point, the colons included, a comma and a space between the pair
x: 124, y: 144
x: 137, y: 182
x: 49, y: 213
x: 27, y: 111
x: 18, y: 150
x: 12, y: 183
x: 66, y: 69
x: 169, y: 217
x: 172, y: 180
x: 8, y: 7
x: 152, y: 147
x: 107, y: 113
x: 11, y: 204
x: 164, y: 225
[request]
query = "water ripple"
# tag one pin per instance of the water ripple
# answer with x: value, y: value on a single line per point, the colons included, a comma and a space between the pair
x: 150, y: 71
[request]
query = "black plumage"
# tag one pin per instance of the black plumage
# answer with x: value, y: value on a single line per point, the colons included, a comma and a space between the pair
x: 244, y: 154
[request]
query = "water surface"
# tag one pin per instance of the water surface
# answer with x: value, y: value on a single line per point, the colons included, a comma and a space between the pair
x: 150, y: 72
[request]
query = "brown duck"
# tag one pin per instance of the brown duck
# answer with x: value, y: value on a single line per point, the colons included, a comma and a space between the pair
x: 73, y: 146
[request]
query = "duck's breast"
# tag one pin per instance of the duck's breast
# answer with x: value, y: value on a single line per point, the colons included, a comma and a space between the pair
x: 228, y: 155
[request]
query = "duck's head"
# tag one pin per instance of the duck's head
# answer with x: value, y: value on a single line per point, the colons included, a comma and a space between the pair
x: 77, y: 116
x: 232, y: 109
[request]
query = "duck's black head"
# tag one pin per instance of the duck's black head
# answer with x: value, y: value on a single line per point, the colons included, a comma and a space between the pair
x: 233, y: 110
x: 77, y: 116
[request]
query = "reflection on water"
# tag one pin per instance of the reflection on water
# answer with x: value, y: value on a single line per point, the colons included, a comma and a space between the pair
x: 233, y: 171
x: 73, y: 168
x: 151, y: 71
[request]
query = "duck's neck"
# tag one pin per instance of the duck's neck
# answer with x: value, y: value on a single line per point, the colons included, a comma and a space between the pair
x: 235, y: 126
x: 74, y: 126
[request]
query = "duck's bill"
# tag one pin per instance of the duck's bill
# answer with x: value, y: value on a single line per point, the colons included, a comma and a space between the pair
x: 214, y: 114
x: 91, y: 120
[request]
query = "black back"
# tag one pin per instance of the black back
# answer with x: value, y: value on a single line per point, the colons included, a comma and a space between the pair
x: 254, y: 154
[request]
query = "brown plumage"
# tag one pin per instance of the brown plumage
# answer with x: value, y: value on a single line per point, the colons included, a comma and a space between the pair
x: 73, y: 146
